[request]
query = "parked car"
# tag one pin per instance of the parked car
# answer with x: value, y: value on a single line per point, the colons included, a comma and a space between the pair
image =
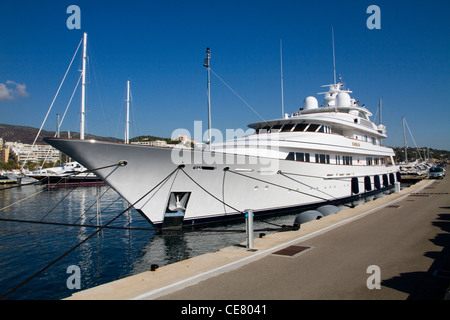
x: 436, y: 172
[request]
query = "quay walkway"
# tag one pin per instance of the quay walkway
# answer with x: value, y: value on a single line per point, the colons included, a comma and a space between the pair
x: 393, y: 248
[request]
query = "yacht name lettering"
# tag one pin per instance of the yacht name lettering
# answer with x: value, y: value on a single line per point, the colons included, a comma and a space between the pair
x: 193, y: 310
x: 356, y: 144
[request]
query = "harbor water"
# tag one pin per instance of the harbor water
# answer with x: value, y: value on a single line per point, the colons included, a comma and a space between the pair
x: 28, y: 248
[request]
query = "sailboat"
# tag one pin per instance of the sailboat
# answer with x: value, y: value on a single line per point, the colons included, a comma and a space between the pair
x: 70, y: 173
x: 314, y: 156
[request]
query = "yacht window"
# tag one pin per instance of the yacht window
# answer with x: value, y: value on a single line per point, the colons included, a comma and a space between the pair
x: 276, y: 128
x: 322, y: 158
x: 321, y: 129
x: 298, y: 156
x: 313, y: 127
x: 287, y: 127
x: 369, y: 161
x: 338, y: 159
x: 265, y: 129
x: 300, y: 127
x: 290, y: 156
x: 347, y: 160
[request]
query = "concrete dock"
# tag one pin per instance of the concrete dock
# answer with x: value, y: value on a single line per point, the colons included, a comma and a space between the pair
x: 393, y: 248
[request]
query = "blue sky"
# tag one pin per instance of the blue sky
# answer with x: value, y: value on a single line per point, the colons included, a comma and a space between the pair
x: 160, y: 46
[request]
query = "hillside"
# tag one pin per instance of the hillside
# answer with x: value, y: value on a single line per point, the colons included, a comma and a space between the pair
x: 413, y: 154
x: 13, y: 133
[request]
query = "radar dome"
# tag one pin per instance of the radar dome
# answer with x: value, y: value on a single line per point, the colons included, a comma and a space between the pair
x: 343, y: 99
x: 310, y: 103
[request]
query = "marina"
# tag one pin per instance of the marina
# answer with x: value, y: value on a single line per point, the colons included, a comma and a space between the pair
x: 116, y: 263
x: 39, y: 224
x: 222, y: 192
x: 414, y: 259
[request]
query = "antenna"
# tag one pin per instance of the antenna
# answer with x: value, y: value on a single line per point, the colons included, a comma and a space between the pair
x: 381, y: 116
x: 282, y: 93
x: 334, y: 58
x: 207, y: 65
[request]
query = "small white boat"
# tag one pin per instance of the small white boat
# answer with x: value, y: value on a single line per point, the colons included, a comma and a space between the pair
x: 70, y: 172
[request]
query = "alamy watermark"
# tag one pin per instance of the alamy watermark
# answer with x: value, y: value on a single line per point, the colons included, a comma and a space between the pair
x: 238, y: 147
x: 74, y: 20
x: 74, y: 280
x: 374, y: 280
x: 374, y: 21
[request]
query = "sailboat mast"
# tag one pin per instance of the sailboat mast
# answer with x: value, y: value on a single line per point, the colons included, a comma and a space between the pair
x: 207, y: 65
x: 282, y: 89
x: 127, y: 129
x: 83, y: 89
x: 404, y: 140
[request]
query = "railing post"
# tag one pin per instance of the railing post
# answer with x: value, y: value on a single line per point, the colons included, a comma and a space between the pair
x: 249, y: 228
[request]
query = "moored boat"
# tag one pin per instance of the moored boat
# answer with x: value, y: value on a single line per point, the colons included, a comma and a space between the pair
x: 315, y: 156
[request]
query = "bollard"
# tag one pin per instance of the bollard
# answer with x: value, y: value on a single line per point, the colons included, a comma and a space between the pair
x: 397, y: 187
x: 249, y: 228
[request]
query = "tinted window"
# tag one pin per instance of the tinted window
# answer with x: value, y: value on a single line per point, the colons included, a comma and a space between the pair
x: 313, y: 127
x: 300, y: 127
x: 287, y: 127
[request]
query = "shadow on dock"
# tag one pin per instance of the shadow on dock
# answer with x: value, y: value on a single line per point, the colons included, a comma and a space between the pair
x: 433, y: 284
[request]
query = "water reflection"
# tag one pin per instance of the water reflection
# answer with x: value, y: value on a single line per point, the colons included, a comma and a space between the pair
x: 109, y: 255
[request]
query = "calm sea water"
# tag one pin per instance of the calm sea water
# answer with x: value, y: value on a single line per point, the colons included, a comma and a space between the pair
x: 25, y: 248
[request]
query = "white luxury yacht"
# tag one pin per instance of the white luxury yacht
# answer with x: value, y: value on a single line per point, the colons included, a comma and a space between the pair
x: 317, y: 155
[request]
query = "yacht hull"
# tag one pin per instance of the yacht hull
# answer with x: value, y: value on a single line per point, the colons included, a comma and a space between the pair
x: 197, y: 186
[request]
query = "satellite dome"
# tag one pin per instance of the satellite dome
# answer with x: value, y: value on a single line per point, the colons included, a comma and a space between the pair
x: 343, y: 99
x: 310, y: 103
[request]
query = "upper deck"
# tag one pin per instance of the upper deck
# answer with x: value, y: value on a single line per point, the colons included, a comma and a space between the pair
x: 339, y: 114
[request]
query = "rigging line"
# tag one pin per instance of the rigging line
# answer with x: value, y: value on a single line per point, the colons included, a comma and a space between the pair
x: 72, y: 224
x: 104, y: 209
x: 34, y: 194
x: 237, y: 210
x: 280, y: 186
x: 79, y: 183
x: 238, y: 96
x: 51, y: 106
x: 417, y: 148
x: 64, y: 115
x: 336, y: 200
x: 85, y: 211
x: 86, y: 239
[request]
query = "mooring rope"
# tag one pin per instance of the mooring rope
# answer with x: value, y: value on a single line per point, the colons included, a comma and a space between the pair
x: 100, y: 228
x: 290, y: 189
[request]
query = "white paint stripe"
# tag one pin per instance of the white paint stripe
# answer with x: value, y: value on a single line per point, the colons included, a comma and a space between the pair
x: 267, y: 251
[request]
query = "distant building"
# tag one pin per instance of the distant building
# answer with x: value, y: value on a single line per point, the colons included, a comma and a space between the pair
x: 36, y: 153
x: 183, y: 139
x: 156, y: 143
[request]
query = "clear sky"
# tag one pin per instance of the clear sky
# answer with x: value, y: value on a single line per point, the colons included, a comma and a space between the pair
x: 160, y: 47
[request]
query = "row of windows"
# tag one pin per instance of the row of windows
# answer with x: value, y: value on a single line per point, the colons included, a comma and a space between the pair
x: 292, y: 127
x: 325, y: 158
x: 311, y: 127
